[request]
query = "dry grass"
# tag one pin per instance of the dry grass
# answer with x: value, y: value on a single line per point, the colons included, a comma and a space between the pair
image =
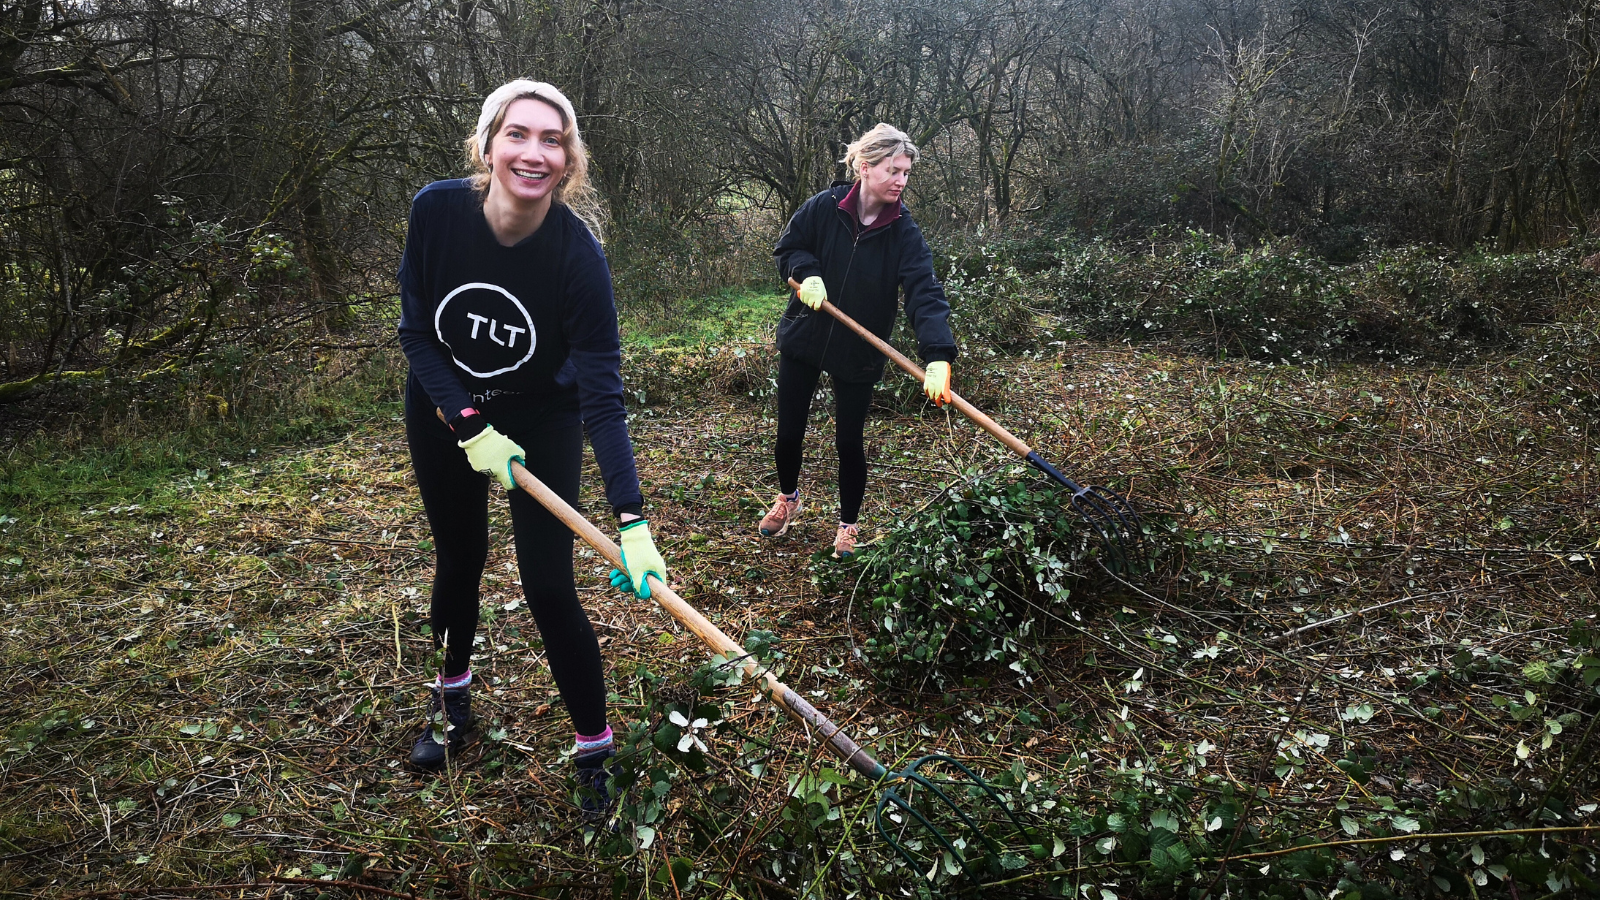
x: 212, y: 689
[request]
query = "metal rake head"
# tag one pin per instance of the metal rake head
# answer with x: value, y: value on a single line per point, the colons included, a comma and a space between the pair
x: 1114, y: 520
x: 978, y: 825
x: 1109, y: 513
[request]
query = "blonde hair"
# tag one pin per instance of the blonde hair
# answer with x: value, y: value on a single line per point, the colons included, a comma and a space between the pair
x: 881, y: 142
x: 575, y: 192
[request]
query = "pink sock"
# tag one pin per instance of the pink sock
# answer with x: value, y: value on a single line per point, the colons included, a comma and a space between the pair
x: 586, y: 743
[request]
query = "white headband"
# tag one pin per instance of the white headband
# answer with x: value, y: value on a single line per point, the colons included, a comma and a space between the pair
x: 522, y: 87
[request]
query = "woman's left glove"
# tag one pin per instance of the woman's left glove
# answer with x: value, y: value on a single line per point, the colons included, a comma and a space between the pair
x: 491, y: 453
x: 639, y: 558
x: 936, y: 382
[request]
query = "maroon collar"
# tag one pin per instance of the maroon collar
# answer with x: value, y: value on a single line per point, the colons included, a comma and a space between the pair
x: 851, y: 204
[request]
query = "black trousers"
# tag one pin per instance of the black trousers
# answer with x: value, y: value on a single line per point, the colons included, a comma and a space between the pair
x: 797, y: 382
x: 457, y: 502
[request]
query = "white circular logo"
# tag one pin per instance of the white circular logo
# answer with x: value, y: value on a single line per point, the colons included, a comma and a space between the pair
x: 488, y: 331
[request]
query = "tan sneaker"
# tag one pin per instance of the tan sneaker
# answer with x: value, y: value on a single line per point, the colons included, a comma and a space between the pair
x: 844, y: 541
x: 781, y: 517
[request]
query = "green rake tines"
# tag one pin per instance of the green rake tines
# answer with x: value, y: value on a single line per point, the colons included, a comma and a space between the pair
x: 901, y: 797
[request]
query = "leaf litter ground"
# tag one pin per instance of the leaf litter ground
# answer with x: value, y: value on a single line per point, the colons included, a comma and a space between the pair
x: 1367, y: 607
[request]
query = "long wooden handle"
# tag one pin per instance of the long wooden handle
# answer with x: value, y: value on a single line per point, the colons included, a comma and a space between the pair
x: 912, y: 369
x: 790, y: 702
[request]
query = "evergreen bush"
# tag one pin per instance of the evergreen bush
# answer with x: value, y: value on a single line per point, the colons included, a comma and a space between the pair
x: 1273, y: 302
x: 968, y: 582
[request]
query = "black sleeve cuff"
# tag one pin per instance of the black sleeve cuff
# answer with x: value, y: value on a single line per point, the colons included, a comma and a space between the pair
x: 636, y: 509
x: 940, y: 354
x: 468, y: 427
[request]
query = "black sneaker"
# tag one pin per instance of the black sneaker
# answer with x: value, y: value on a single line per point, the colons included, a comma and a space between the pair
x: 594, y: 781
x: 449, y: 712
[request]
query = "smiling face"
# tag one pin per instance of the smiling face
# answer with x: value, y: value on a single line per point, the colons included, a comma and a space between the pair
x: 526, y: 159
x: 884, y: 183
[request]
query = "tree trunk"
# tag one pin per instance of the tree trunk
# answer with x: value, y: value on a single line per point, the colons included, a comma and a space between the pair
x: 307, y: 142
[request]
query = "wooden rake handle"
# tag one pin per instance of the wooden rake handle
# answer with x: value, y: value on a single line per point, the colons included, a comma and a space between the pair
x: 967, y: 409
x: 790, y: 702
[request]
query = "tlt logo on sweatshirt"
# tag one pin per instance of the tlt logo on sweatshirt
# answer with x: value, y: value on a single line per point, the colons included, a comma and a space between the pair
x: 488, y: 331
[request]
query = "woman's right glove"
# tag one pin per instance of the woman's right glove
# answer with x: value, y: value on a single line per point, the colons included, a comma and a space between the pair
x: 936, y: 382
x: 491, y: 453
x: 639, y: 558
x: 812, y: 292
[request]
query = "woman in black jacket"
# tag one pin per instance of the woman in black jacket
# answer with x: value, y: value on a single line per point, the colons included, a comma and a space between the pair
x: 854, y: 244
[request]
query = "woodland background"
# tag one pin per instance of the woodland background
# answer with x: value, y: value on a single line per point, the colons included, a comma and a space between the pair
x: 170, y: 170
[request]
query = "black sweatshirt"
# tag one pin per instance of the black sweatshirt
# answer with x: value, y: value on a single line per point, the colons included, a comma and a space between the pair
x: 522, y: 334
x: 864, y: 270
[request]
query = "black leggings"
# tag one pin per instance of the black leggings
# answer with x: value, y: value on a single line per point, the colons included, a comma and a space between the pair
x: 456, y: 499
x: 797, y: 381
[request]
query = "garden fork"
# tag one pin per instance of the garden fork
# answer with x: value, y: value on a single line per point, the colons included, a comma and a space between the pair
x: 907, y: 799
x: 1109, y: 513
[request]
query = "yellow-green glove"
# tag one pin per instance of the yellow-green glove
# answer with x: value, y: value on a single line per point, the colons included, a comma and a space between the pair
x: 491, y: 453
x: 639, y: 558
x: 936, y: 382
x: 812, y: 292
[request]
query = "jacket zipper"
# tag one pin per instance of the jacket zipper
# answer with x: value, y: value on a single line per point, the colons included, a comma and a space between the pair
x: 850, y: 263
x: 855, y: 226
x: 848, y: 266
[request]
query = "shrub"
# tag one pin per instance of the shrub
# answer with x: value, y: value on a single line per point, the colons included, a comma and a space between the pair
x: 1270, y: 302
x: 657, y: 264
x: 741, y: 370
x: 969, y: 581
x: 991, y: 304
x: 1278, y: 301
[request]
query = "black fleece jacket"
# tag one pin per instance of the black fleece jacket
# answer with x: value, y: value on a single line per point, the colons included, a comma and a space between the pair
x: 864, y: 270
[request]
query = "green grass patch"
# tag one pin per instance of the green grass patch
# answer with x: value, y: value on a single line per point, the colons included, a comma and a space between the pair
x: 734, y: 315
x: 142, y: 441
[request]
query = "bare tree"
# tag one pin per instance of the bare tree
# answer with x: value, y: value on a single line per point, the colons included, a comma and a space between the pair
x: 179, y: 175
